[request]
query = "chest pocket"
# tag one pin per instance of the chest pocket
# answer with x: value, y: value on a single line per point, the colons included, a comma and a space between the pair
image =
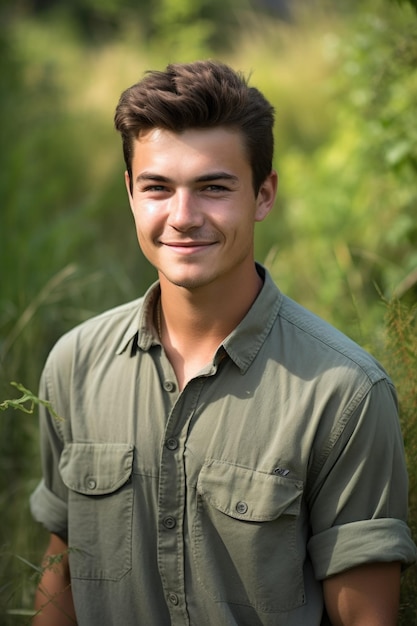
x: 245, y: 537
x: 100, y: 505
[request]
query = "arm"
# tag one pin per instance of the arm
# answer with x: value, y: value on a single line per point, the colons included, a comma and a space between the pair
x: 53, y: 600
x: 367, y: 595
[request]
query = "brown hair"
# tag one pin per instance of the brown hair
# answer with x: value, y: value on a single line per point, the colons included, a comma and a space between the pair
x: 203, y: 94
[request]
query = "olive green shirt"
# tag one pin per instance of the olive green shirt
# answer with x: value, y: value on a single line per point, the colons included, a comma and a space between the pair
x: 280, y: 464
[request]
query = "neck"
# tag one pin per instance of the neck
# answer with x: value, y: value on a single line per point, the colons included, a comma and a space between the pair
x: 193, y: 323
x: 214, y: 309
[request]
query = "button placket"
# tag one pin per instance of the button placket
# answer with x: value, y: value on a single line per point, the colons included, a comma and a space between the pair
x: 171, y: 501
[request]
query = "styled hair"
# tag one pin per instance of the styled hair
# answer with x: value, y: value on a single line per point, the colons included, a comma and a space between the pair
x: 202, y: 94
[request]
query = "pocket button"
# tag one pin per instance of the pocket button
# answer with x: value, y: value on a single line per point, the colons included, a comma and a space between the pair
x: 241, y: 507
x: 91, y: 483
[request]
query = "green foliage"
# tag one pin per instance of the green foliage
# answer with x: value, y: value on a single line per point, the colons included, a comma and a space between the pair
x: 27, y: 401
x: 349, y: 206
x: 51, y: 563
x: 195, y: 31
x: 401, y: 323
x: 171, y: 27
x: 58, y: 258
x: 413, y: 3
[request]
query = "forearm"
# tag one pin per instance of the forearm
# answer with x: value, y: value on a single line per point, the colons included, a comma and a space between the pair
x: 53, y: 601
x: 364, y: 596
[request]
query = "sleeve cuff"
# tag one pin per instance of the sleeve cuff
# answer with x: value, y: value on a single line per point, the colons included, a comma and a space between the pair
x: 367, y: 541
x: 49, y: 510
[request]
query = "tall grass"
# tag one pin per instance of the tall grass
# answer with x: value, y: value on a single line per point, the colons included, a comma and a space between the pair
x: 67, y: 251
x: 401, y: 357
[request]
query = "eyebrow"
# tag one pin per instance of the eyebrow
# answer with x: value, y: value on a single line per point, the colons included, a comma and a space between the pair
x: 204, y: 178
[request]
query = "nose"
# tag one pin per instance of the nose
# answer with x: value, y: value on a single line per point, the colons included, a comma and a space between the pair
x: 184, y: 213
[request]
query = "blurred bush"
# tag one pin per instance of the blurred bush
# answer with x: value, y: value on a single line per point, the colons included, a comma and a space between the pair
x: 349, y: 207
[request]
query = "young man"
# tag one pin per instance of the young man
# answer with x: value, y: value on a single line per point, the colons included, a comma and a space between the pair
x: 225, y: 457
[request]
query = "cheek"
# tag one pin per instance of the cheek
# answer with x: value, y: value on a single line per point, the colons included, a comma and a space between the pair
x: 146, y: 240
x: 148, y: 219
x: 143, y: 230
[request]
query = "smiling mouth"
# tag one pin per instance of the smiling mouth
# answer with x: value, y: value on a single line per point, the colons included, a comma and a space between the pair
x: 187, y: 244
x: 188, y: 247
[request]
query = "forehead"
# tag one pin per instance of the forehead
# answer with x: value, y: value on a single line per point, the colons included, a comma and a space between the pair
x: 212, y: 146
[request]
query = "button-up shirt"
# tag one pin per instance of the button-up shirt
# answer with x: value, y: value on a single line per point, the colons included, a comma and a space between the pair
x: 279, y: 464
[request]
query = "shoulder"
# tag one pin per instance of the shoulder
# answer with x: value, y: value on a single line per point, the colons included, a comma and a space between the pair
x: 317, y: 344
x: 309, y: 347
x: 103, y: 332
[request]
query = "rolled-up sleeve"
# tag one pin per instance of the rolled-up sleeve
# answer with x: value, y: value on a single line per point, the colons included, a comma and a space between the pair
x: 48, y: 502
x: 369, y: 541
x: 49, y: 510
x: 359, y: 511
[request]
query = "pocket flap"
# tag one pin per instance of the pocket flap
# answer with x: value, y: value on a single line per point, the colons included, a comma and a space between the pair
x: 96, y: 468
x: 248, y: 494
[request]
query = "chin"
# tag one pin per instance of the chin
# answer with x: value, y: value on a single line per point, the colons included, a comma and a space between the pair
x: 188, y: 282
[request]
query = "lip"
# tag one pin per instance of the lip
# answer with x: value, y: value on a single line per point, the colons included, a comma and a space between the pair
x: 188, y: 247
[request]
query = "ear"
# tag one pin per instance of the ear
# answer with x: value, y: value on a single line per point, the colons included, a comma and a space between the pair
x: 266, y: 196
x: 128, y: 185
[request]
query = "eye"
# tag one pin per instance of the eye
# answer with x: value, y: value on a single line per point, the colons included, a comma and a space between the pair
x: 155, y: 191
x: 155, y: 188
x: 215, y: 188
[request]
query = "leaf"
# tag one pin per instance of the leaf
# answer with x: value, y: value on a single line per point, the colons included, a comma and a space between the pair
x: 31, y: 565
x: 26, y: 403
x: 22, y: 612
x: 398, y: 152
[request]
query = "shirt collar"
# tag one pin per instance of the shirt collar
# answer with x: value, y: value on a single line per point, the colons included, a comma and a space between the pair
x: 141, y: 330
x: 243, y: 343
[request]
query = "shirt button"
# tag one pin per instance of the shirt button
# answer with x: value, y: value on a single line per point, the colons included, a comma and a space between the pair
x: 169, y: 385
x: 241, y: 507
x: 173, y: 598
x: 91, y: 483
x: 169, y: 522
x: 172, y: 443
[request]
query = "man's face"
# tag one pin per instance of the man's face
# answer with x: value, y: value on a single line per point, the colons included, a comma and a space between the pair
x: 194, y: 205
